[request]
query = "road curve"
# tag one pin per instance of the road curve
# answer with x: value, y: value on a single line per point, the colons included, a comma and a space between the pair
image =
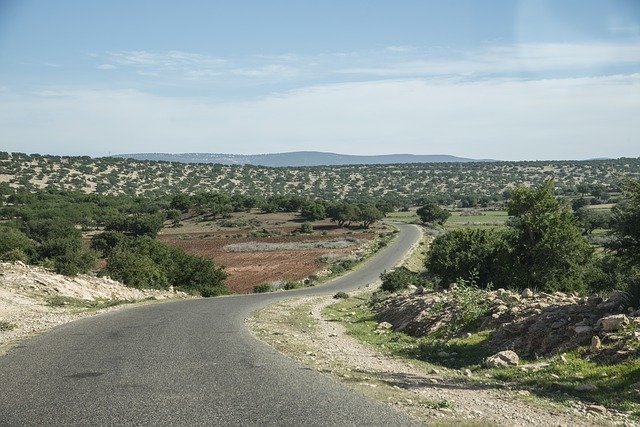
x: 188, y: 362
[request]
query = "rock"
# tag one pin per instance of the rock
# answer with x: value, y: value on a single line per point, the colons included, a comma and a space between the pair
x: 466, y: 372
x: 442, y: 354
x: 598, y: 409
x: 502, y: 359
x: 384, y: 325
x: 596, y: 344
x: 412, y: 288
x: 419, y: 290
x: 527, y: 293
x: 434, y: 371
x: 614, y: 322
x: 586, y: 387
x: 582, y: 329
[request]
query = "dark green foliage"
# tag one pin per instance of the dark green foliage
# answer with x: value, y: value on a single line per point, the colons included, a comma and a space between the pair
x: 541, y: 249
x: 105, y: 242
x: 143, y: 262
x: 468, y: 254
x: 399, y: 279
x: 262, y: 288
x: 313, y: 211
x: 591, y: 219
x: 15, y: 245
x: 625, y: 225
x: 432, y: 213
x: 181, y: 202
x: 368, y: 214
x: 137, y: 225
x: 306, y: 227
x: 341, y: 295
x: 545, y: 248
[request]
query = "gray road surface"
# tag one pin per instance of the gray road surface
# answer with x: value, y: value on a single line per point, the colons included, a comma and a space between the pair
x: 183, y: 363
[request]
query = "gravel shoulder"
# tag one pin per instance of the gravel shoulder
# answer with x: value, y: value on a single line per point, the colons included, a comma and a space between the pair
x: 297, y: 328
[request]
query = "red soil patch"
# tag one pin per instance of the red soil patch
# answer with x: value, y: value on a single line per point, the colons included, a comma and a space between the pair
x: 247, y: 269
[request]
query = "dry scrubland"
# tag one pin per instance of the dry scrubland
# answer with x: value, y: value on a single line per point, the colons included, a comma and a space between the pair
x: 122, y: 176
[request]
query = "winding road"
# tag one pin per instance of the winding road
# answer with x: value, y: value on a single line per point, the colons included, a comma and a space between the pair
x: 189, y: 362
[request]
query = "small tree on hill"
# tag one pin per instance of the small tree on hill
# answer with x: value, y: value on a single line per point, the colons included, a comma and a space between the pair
x: 433, y: 213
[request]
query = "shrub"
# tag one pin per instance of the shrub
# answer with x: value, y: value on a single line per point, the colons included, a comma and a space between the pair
x: 291, y: 284
x: 463, y: 254
x: 432, y: 213
x: 262, y: 288
x: 341, y: 295
x: 306, y: 227
x: 399, y: 279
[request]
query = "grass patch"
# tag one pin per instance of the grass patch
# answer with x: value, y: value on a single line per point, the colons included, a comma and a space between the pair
x: 77, y: 304
x: 477, y: 219
x: 7, y: 326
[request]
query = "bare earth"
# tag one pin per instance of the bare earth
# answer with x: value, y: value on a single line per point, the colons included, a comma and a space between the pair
x: 296, y: 328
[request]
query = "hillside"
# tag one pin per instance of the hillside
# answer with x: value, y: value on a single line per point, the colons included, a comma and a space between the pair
x: 296, y: 158
x: 407, y: 182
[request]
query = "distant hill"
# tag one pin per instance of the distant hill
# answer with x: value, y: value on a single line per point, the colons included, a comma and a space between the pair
x: 296, y: 158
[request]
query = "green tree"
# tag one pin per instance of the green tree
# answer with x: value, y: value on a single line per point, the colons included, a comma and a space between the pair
x: 368, y: 214
x: 433, y: 213
x: 545, y: 248
x: 466, y: 253
x: 625, y: 224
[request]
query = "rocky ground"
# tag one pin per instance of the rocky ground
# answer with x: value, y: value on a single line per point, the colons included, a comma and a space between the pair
x: 33, y: 299
x: 298, y: 329
x: 531, y: 324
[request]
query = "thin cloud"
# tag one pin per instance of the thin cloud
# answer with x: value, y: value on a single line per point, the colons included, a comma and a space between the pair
x: 498, y: 118
x: 106, y: 67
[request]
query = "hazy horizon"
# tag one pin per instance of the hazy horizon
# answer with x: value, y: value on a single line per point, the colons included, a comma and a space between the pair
x: 506, y: 80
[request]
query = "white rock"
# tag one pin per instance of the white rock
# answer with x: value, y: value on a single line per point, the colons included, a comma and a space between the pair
x: 384, y: 325
x: 614, y: 322
x: 527, y: 293
x: 502, y: 359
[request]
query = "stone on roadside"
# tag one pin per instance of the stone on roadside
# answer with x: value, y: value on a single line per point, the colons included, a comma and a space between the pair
x: 527, y: 293
x: 502, y: 359
x: 614, y: 322
x: 384, y: 325
x: 596, y: 344
x: 598, y: 409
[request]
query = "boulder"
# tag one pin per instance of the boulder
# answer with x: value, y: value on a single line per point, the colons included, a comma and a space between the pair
x: 384, y: 326
x: 502, y: 359
x: 586, y: 387
x: 582, y: 329
x: 595, y: 343
x: 527, y: 293
x: 614, y: 322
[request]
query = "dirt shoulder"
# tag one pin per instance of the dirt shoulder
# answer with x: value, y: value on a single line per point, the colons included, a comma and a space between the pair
x: 444, y: 396
x: 33, y: 299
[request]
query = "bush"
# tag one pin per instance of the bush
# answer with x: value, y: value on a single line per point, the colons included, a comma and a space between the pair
x: 306, y: 227
x: 399, y: 279
x: 432, y: 213
x: 464, y: 254
x: 262, y: 288
x: 341, y: 295
x: 291, y: 284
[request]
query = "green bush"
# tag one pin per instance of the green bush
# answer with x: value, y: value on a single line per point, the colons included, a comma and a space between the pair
x: 306, y: 227
x: 341, y: 295
x: 432, y: 213
x: 464, y: 254
x: 262, y: 288
x: 399, y: 279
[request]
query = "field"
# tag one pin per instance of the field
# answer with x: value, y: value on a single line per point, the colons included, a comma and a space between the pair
x: 256, y: 248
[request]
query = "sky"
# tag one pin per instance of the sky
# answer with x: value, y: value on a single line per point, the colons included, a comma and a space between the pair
x: 508, y: 80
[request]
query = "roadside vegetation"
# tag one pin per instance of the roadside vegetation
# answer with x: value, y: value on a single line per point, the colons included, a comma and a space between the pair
x: 536, y: 283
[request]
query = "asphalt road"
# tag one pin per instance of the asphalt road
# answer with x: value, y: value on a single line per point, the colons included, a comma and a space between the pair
x: 188, y: 362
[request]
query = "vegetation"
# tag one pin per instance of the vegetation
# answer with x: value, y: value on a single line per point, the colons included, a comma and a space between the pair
x: 400, y: 278
x: 451, y: 184
x: 432, y: 213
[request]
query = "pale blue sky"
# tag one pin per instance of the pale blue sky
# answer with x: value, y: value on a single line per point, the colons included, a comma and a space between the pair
x: 532, y: 79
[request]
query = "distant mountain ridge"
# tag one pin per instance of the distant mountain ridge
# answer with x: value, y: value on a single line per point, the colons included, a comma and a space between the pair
x: 296, y: 158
